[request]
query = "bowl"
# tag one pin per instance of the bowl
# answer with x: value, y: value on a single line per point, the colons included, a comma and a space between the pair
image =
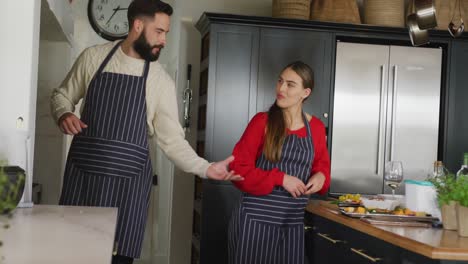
x: 382, y: 201
x: 15, y: 178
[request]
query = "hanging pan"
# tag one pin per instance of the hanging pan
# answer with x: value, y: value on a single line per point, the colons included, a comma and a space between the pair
x: 418, y: 36
x: 426, y: 13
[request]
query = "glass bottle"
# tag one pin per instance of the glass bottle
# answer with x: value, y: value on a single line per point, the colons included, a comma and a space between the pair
x: 439, y: 170
x: 463, y: 172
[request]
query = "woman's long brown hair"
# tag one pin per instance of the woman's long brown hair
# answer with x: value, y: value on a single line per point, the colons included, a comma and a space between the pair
x: 276, y: 124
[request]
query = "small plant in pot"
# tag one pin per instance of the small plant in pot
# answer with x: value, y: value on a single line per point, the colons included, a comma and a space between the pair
x: 460, y: 195
x: 444, y: 186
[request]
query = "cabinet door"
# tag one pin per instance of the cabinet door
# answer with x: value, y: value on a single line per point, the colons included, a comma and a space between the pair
x: 278, y: 48
x: 217, y: 205
x: 324, y: 242
x: 413, y: 109
x: 457, y: 126
x: 358, y: 118
x: 231, y: 87
x: 330, y: 242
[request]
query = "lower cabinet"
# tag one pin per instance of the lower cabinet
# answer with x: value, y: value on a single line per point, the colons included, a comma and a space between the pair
x: 329, y: 242
x: 219, y: 200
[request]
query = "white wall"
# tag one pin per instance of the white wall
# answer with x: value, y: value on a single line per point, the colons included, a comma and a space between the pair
x: 54, y: 62
x: 18, y: 77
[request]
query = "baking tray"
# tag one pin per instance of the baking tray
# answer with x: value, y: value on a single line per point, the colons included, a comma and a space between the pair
x: 393, y: 223
x: 392, y: 217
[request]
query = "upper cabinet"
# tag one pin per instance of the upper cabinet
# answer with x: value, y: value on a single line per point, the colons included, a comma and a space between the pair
x: 243, y: 64
x: 278, y: 48
x: 232, y: 83
x: 457, y: 105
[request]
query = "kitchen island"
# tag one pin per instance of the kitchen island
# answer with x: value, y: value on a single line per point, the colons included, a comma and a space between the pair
x: 59, y: 234
x: 335, y: 238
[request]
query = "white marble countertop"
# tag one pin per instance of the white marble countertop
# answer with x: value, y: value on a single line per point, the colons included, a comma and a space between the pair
x: 59, y: 234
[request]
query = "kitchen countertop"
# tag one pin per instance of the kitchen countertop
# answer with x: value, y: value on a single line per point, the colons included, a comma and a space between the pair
x: 433, y: 243
x: 59, y: 234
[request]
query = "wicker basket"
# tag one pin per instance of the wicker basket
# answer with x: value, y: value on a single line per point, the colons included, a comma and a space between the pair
x: 384, y: 12
x: 343, y: 11
x: 298, y: 9
x: 445, y: 10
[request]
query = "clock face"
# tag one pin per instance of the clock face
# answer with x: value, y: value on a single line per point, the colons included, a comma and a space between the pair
x: 109, y: 18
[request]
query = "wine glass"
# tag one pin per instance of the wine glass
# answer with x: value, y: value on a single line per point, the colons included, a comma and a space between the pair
x: 393, y: 175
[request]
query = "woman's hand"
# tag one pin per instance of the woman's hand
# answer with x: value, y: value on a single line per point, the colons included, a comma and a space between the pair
x: 315, y: 183
x: 294, y: 185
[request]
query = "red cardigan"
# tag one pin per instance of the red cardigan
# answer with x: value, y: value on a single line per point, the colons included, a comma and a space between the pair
x: 249, y: 149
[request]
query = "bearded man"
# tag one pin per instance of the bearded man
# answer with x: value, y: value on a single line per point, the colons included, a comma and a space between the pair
x: 129, y: 105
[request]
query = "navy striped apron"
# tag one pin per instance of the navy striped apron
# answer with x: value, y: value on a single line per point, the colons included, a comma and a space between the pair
x: 108, y: 164
x: 270, y: 229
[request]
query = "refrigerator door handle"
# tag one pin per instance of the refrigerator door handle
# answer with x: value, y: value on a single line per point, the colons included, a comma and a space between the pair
x: 394, y: 94
x: 381, y: 112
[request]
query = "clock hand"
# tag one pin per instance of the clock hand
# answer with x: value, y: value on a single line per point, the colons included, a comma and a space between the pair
x: 115, y: 11
x: 118, y: 8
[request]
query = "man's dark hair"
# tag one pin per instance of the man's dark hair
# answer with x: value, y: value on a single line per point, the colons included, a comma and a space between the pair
x: 146, y: 8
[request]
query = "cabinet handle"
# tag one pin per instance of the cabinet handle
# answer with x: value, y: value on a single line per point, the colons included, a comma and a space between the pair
x: 325, y: 236
x: 361, y: 253
x: 306, y: 228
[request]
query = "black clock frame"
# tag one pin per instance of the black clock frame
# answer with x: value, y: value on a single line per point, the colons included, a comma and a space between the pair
x: 96, y: 28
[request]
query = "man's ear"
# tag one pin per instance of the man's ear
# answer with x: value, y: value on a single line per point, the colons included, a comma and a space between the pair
x: 138, y: 25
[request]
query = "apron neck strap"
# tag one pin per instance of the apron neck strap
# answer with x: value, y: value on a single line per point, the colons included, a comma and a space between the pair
x: 109, y: 56
x: 306, y: 124
x: 146, y: 69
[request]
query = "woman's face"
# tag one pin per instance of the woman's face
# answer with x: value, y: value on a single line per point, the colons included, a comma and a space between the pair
x: 290, y: 91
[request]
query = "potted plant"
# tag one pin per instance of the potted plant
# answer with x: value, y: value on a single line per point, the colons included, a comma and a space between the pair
x: 11, y: 190
x: 444, y: 186
x: 460, y: 195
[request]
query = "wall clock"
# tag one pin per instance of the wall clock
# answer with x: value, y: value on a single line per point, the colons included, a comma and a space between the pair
x: 109, y: 18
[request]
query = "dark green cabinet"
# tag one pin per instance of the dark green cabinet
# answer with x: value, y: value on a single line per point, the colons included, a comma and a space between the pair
x: 232, y: 85
x: 230, y: 103
x: 457, y: 117
x: 330, y: 242
x: 243, y: 64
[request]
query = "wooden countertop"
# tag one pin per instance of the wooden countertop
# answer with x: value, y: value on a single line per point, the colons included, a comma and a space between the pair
x: 431, y: 242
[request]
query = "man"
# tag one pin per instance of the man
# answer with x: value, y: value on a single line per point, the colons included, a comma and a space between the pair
x: 129, y: 105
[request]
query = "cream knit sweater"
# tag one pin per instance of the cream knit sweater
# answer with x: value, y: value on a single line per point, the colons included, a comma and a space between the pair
x: 164, y: 128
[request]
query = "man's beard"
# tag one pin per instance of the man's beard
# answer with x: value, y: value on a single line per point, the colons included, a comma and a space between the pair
x: 144, y: 49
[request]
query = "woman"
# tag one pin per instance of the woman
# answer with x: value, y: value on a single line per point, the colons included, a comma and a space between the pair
x: 283, y: 158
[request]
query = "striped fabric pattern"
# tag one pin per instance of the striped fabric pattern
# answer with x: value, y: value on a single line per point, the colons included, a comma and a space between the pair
x: 270, y: 228
x: 108, y: 164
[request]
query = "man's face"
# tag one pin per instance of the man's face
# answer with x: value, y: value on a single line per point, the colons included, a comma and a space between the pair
x: 153, y: 37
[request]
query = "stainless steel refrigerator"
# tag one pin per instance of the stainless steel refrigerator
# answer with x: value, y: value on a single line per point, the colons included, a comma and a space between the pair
x: 386, y: 107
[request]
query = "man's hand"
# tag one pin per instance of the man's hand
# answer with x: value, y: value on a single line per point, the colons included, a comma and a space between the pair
x: 315, y: 183
x: 70, y: 124
x: 219, y: 171
x: 293, y: 185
